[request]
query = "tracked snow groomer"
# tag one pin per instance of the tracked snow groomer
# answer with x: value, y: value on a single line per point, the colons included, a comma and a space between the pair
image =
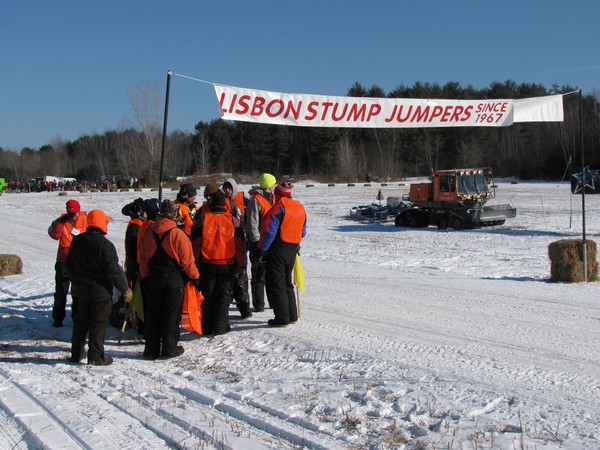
x: 453, y: 198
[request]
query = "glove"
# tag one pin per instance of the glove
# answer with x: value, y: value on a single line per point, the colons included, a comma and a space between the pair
x: 261, y: 257
x: 66, y: 217
x: 240, y: 272
x: 196, y: 284
x: 128, y: 295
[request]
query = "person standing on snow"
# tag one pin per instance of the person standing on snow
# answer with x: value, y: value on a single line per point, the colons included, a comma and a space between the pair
x: 261, y: 200
x: 220, y: 251
x: 166, y: 261
x: 283, y: 228
x: 186, y: 200
x: 137, y: 213
x: 236, y: 206
x: 94, y: 268
x: 63, y: 230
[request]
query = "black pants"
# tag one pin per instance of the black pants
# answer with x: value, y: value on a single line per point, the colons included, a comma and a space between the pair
x: 280, y: 289
x: 240, y: 293
x: 162, y: 314
x: 258, y: 280
x: 91, y: 318
x: 62, y: 283
x: 217, y: 291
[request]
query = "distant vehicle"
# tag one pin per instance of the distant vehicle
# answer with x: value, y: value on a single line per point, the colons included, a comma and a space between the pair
x: 119, y: 181
x: 453, y: 198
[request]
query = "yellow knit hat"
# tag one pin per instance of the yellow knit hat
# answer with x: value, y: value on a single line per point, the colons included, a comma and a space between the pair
x: 267, y: 181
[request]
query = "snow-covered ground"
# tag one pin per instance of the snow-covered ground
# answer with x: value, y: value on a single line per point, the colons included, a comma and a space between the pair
x: 408, y: 338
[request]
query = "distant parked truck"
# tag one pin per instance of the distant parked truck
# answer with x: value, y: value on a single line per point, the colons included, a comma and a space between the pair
x: 453, y: 198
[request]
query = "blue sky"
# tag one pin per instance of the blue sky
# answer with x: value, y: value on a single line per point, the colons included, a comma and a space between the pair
x: 67, y: 67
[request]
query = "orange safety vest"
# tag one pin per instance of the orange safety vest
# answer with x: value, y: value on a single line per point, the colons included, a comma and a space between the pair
x: 239, y: 201
x: 68, y: 233
x: 143, y: 227
x: 265, y: 205
x: 186, y: 216
x: 138, y: 222
x: 290, y: 230
x: 218, y: 237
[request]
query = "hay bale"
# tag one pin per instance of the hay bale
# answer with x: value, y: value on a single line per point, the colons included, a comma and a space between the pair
x: 62, y: 194
x: 10, y: 265
x: 566, y: 257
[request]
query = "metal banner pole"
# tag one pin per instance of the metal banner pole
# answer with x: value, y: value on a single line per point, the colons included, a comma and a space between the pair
x: 583, y: 182
x: 164, y: 136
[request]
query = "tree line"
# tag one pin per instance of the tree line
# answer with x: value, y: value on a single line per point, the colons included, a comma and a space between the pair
x: 524, y: 150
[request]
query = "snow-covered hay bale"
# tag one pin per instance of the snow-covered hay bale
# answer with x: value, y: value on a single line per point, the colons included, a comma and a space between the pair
x: 566, y: 257
x: 10, y: 265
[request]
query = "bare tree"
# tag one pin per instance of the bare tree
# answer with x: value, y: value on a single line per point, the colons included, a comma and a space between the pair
x: 202, y: 149
x: 145, y: 102
x: 345, y: 156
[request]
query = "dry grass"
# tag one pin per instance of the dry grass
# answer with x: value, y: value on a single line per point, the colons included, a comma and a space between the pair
x: 10, y: 265
x: 566, y: 257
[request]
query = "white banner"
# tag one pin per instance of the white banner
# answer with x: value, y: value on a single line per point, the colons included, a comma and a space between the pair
x: 250, y: 105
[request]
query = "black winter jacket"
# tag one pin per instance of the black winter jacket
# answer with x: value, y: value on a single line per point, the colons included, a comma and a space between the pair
x: 94, y: 267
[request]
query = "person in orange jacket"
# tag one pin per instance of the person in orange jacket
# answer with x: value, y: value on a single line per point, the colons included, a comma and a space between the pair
x: 283, y: 228
x: 186, y: 200
x: 166, y: 262
x: 63, y: 230
x: 236, y: 206
x: 136, y: 211
x: 220, y: 251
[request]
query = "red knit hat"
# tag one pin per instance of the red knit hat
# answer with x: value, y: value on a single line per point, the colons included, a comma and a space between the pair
x: 73, y: 206
x: 283, y: 189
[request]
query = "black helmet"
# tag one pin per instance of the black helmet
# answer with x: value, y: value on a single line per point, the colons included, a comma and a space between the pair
x: 135, y: 209
x: 187, y: 190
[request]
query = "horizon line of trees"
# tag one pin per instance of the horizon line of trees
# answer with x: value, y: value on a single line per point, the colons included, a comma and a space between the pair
x: 524, y: 150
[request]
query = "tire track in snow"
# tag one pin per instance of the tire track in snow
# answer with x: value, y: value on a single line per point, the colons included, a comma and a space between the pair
x: 73, y: 414
x: 209, y: 416
x: 34, y: 416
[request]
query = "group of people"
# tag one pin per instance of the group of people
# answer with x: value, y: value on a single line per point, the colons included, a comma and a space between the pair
x: 173, y: 243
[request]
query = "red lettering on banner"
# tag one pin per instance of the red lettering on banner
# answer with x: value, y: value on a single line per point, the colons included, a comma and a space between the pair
x: 455, y: 114
x: 326, y: 106
x: 447, y: 112
x: 437, y: 112
x: 497, y: 107
x: 294, y: 112
x: 257, y: 106
x: 357, y: 112
x: 468, y: 110
x: 312, y: 109
x: 269, y: 108
x: 243, y: 102
x: 420, y: 113
x: 221, y: 101
x: 374, y: 110
x: 337, y: 117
